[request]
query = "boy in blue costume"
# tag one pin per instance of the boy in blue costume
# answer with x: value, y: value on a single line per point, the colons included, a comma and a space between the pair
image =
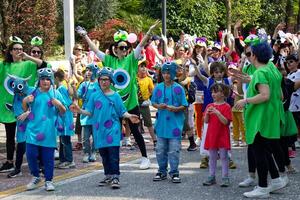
x: 106, y: 108
x: 85, y: 90
x: 44, y: 104
x: 169, y: 98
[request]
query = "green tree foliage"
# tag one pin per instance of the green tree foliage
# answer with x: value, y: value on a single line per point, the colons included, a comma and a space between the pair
x: 29, y: 18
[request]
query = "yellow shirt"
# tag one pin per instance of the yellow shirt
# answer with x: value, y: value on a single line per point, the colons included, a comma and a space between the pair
x: 146, y: 87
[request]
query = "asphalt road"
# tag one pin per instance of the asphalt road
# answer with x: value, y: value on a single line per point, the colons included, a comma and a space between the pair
x: 137, y: 184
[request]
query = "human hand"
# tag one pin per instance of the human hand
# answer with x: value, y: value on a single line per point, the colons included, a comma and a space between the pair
x: 162, y: 106
x: 172, y: 108
x: 240, y: 104
x: 134, y: 118
x: 74, y: 108
x: 23, y: 116
x: 81, y: 31
x: 29, y: 99
x: 55, y: 102
x: 157, y: 22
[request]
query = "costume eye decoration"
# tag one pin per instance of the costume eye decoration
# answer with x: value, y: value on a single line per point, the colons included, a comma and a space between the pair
x: 121, y: 78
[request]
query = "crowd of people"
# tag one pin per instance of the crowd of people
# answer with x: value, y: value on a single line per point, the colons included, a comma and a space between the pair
x: 199, y: 88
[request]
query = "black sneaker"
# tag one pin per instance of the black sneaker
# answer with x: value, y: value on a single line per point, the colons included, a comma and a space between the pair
x: 7, y: 167
x: 192, y: 147
x: 105, y: 181
x: 115, y: 184
x: 159, y: 177
x: 15, y: 173
x: 176, y: 178
x: 154, y: 144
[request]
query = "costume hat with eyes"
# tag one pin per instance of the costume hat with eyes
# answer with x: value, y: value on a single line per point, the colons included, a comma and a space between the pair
x: 106, y: 71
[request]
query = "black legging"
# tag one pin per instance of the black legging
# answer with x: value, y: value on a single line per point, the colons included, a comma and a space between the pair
x: 10, y: 129
x: 134, y: 128
x: 251, y: 159
x: 264, y: 160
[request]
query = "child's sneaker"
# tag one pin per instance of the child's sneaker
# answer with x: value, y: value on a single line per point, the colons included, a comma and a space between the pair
x: 198, y: 141
x: 85, y: 158
x: 225, y: 182
x: 204, y: 163
x: 7, y: 167
x: 292, y: 154
x: 243, y: 144
x: 210, y: 181
x: 15, y: 173
x: 176, y: 178
x: 106, y: 181
x: 66, y: 165
x: 192, y: 147
x: 236, y: 144
x: 249, y: 181
x: 49, y: 186
x: 115, y: 184
x: 92, y: 158
x: 159, y: 177
x: 127, y: 142
x: 33, y: 183
x: 56, y: 155
x: 232, y: 164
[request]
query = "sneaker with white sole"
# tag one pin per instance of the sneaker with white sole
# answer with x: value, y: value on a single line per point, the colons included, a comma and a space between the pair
x: 145, y: 164
x: 85, y: 158
x: 285, y: 179
x: 33, y: 184
x: 258, y: 192
x: 198, y: 141
x: 15, y: 173
x: 56, y: 154
x: 92, y: 158
x: 49, y: 186
x: 297, y: 144
x: 276, y: 184
x: 66, y: 165
x: 249, y: 181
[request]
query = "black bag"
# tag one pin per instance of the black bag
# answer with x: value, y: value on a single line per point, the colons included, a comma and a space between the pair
x: 192, y: 92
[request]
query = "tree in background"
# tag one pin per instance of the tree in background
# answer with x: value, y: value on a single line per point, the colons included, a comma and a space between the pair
x: 29, y: 18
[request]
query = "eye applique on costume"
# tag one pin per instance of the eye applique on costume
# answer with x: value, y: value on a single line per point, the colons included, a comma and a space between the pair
x: 121, y: 78
x: 13, y: 82
x: 19, y: 86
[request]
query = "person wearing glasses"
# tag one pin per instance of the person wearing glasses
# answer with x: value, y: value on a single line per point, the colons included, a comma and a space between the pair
x: 126, y: 68
x: 17, y: 64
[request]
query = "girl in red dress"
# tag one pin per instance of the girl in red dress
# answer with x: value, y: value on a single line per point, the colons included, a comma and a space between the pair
x: 218, y: 116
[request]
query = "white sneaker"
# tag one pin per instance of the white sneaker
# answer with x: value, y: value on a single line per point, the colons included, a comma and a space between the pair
x: 92, y: 158
x: 247, y: 182
x: 49, y: 186
x: 297, y: 144
x: 145, y: 164
x: 258, y: 192
x: 285, y: 179
x: 198, y: 141
x: 56, y: 155
x: 33, y: 183
x: 127, y: 142
x: 85, y: 158
x: 276, y: 184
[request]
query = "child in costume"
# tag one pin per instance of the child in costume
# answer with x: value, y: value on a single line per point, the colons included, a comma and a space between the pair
x: 65, y: 128
x: 85, y: 90
x: 21, y: 90
x: 44, y: 104
x: 106, y: 108
x: 218, y: 116
x: 169, y: 98
x: 146, y: 87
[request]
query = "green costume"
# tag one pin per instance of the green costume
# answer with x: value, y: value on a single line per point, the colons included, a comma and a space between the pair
x: 24, y: 70
x: 267, y: 117
x: 125, y: 71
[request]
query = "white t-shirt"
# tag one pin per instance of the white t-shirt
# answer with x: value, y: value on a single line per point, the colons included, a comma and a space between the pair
x: 295, y: 98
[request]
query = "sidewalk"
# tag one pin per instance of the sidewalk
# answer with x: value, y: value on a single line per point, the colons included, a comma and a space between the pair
x: 10, y: 186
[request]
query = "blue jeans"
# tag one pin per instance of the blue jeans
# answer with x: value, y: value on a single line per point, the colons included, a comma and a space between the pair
x: 32, y: 154
x: 110, y: 160
x: 65, y: 149
x: 87, y: 133
x: 168, y: 149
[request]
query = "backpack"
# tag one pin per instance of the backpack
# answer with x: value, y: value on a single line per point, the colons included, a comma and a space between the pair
x: 192, y: 92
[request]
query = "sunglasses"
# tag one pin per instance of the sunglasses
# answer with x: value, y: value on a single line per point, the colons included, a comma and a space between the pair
x: 123, y: 48
x: 290, y: 61
x: 17, y: 49
x: 104, y: 79
x: 36, y: 52
x: 79, y: 49
x: 248, y: 54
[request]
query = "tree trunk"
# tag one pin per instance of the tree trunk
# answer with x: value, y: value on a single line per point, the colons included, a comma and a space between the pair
x: 298, y: 17
x: 228, y: 14
x: 289, y: 16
